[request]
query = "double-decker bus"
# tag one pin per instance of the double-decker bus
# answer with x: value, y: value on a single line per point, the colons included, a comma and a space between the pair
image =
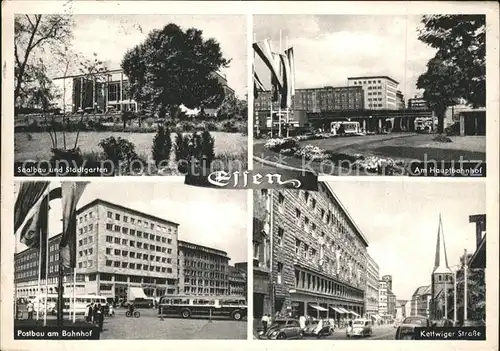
x: 349, y: 128
x: 187, y: 306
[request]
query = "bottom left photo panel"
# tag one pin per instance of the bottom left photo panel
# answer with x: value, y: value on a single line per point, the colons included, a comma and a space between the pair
x: 130, y: 260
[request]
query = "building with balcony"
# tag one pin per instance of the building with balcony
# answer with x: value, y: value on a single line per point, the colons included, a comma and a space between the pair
x: 202, y: 270
x: 309, y: 255
x: 105, y: 92
x: 117, y: 248
x: 372, y: 285
x: 380, y: 92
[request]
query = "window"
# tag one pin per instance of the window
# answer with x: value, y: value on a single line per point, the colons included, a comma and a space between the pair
x: 132, y: 232
x: 146, y: 246
x: 124, y: 241
x: 109, y: 226
x: 281, y: 234
x: 169, y: 241
x: 91, y: 227
x: 139, y: 255
x: 117, y: 216
x: 169, y: 270
x: 280, y: 273
x: 117, y: 240
x: 109, y: 239
x: 116, y: 263
x: 125, y: 230
x: 139, y: 234
x: 108, y: 251
x: 109, y: 263
x: 152, y: 226
x: 117, y: 252
x: 125, y: 219
x: 132, y: 220
x: 281, y: 203
x: 132, y: 243
x: 297, y: 246
x: 110, y: 215
x: 117, y: 228
x: 169, y: 251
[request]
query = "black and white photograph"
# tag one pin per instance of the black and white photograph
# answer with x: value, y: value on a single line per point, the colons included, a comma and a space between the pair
x: 129, y: 94
x: 137, y: 261
x: 328, y: 266
x: 369, y: 94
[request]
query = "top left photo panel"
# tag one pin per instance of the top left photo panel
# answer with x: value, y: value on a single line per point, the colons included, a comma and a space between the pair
x: 129, y: 95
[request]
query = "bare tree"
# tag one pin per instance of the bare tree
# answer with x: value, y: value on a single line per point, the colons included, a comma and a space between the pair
x: 32, y: 33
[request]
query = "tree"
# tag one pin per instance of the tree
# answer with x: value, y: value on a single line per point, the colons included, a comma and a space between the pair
x: 458, y: 69
x: 232, y: 107
x: 162, y: 145
x: 173, y: 67
x: 34, y: 33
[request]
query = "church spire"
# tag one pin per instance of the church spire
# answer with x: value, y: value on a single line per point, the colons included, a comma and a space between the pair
x: 441, y: 260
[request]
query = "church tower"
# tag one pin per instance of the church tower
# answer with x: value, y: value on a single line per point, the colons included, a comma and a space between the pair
x: 442, y: 279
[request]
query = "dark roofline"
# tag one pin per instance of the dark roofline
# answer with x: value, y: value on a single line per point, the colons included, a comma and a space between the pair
x: 52, y: 238
x: 371, y: 77
x: 104, y: 202
x: 182, y: 243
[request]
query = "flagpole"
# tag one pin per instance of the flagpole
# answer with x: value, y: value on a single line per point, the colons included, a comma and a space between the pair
x: 279, y: 105
x: 74, y: 297
x: 38, y: 295
x: 15, y: 278
x: 47, y: 262
x: 465, y: 285
x: 291, y: 97
x: 253, y: 78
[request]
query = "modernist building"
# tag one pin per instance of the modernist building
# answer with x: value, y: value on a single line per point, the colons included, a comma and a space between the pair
x: 309, y: 255
x: 382, y: 301
x: 117, y: 248
x: 421, y: 301
x: 104, y: 92
x: 237, y: 281
x: 372, y: 285
x: 202, y: 270
x: 380, y: 92
x: 400, y: 100
x: 417, y: 103
x: 391, y: 304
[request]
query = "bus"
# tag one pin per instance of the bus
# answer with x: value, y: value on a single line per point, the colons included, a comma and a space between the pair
x: 350, y: 128
x: 81, y: 303
x: 187, y: 306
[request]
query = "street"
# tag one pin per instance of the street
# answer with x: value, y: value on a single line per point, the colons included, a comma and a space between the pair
x: 149, y: 326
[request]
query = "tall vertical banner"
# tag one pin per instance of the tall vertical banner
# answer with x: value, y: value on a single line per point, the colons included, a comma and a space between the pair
x: 286, y: 96
x: 291, y: 62
x: 276, y: 86
x: 263, y: 49
x: 28, y: 196
x: 71, y: 193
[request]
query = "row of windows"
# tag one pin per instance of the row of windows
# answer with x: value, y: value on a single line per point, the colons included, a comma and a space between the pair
x: 86, y: 217
x: 138, y: 266
x: 195, y: 290
x: 86, y: 229
x: 138, y: 233
x: 85, y: 241
x: 85, y: 264
x: 205, y: 282
x: 375, y: 93
x: 137, y: 244
x: 375, y: 99
x: 375, y: 105
x: 212, y: 275
x: 86, y: 252
x: 359, y: 82
x: 139, y: 222
x: 204, y: 256
x: 204, y: 265
x: 137, y: 255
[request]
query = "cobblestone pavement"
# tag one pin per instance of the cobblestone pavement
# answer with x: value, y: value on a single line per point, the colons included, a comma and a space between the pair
x: 149, y: 326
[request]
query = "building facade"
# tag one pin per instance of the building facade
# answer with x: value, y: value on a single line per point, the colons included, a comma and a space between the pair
x: 202, y: 270
x: 417, y: 103
x: 105, y: 92
x: 237, y: 282
x: 382, y: 301
x: 391, y: 304
x: 380, y: 92
x: 318, y: 99
x: 401, y: 309
x: 400, y: 100
x: 372, y: 287
x: 315, y: 254
x: 421, y: 302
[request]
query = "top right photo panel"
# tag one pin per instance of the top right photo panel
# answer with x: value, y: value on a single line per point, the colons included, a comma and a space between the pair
x: 353, y: 95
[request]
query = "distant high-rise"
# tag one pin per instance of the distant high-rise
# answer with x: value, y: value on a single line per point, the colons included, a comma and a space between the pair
x: 380, y: 92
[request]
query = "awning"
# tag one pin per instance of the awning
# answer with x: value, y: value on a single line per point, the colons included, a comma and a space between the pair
x: 317, y: 307
x: 354, y: 313
x: 336, y: 309
x: 343, y: 310
x: 136, y: 293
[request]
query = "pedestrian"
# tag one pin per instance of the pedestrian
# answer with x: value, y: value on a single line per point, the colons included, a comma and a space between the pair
x: 265, y: 321
x: 30, y: 308
x: 94, y: 314
x: 100, y: 316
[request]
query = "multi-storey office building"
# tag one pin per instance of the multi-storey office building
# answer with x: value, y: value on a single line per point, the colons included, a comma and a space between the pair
x: 104, y: 92
x: 202, y: 270
x: 391, y: 304
x: 311, y: 253
x: 372, y: 285
x: 380, y: 92
x: 117, y: 248
x: 237, y: 282
x: 417, y: 103
x: 382, y: 302
x: 317, y: 99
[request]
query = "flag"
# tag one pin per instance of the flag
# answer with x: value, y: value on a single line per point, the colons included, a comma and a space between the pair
x: 263, y: 49
x: 71, y: 193
x: 257, y: 84
x: 28, y: 196
x: 291, y: 62
x: 34, y: 233
x: 275, y: 86
x: 286, y: 97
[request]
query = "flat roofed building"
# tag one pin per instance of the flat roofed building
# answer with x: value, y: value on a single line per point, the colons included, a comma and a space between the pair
x: 380, y: 92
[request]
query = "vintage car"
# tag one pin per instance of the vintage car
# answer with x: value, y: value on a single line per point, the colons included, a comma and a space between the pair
x: 283, y: 329
x: 319, y: 328
x: 360, y: 327
x: 406, y: 330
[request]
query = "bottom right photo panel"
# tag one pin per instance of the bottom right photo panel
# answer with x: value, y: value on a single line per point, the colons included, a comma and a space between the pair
x: 376, y: 260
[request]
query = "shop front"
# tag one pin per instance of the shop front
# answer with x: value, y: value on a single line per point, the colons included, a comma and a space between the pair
x: 320, y: 306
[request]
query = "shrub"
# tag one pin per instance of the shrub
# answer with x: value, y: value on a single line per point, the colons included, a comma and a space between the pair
x: 193, y: 150
x: 72, y: 156
x: 118, y: 149
x: 162, y: 145
x: 277, y: 145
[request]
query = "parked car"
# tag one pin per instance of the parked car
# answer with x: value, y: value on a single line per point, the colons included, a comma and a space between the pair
x: 140, y: 302
x: 360, y: 327
x: 323, y: 328
x: 283, y: 329
x: 406, y: 331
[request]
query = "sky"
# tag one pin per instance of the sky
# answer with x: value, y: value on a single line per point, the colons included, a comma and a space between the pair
x: 209, y: 217
x: 110, y: 36
x: 330, y: 48
x: 400, y: 221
